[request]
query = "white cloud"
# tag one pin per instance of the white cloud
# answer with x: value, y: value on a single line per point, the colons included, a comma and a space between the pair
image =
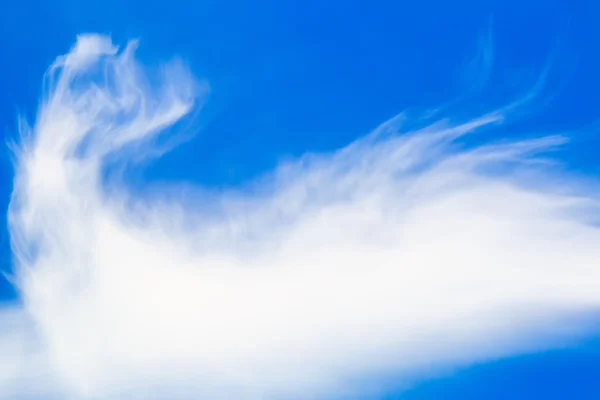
x: 396, y: 254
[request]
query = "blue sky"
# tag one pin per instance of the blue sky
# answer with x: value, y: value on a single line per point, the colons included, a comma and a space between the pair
x: 293, y: 77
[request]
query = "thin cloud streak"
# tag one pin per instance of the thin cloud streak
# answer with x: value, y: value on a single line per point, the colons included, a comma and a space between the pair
x: 399, y: 252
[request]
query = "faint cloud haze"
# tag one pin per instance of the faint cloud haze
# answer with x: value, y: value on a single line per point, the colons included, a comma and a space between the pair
x: 399, y: 253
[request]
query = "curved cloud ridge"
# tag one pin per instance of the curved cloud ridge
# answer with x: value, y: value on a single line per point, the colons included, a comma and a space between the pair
x: 398, y: 253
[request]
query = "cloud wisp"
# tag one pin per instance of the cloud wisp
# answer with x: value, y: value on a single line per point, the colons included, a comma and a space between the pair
x: 401, y: 252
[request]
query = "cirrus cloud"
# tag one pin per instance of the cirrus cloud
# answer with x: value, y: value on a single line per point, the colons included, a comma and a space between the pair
x: 397, y: 253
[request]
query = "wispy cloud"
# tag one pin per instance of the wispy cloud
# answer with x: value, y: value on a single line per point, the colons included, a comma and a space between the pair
x: 398, y: 253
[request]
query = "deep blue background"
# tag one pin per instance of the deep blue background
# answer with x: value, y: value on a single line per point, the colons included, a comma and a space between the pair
x: 309, y: 75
